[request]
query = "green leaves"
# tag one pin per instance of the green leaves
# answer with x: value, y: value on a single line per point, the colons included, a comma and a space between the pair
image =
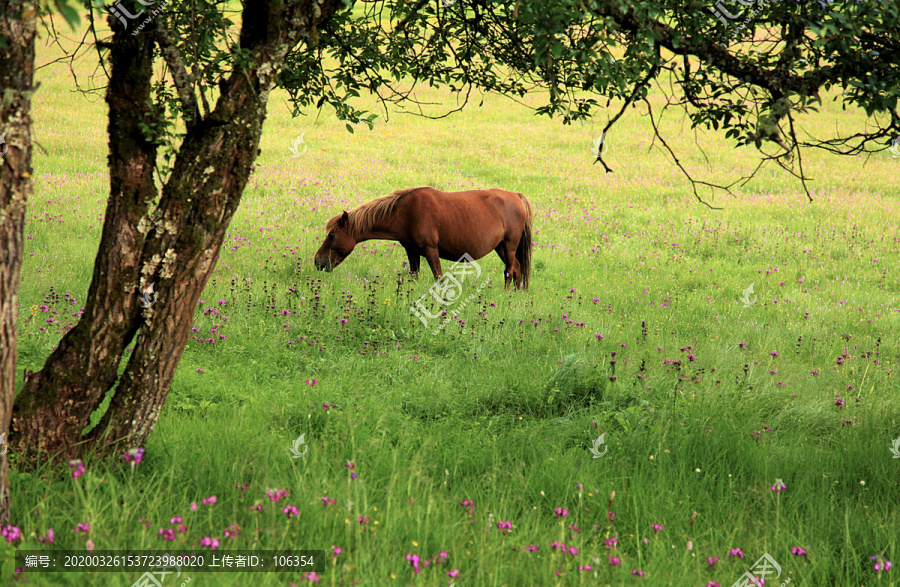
x: 575, y: 53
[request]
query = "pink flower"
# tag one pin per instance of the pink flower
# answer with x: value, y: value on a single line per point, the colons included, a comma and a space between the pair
x: 414, y: 561
x: 291, y: 511
x: 48, y: 538
x: 584, y: 568
x: 711, y: 561
x: 134, y: 456
x: 89, y: 544
x: 454, y: 573
x: 507, y: 526
x: 532, y: 548
x: 11, y: 533
x: 277, y: 494
x: 337, y: 550
x: 561, y: 512
x: 326, y: 501
x: 83, y: 528
x: 193, y: 506
x: 175, y: 520
x: 735, y: 552
x: 211, y: 500
x: 166, y: 533
x: 657, y: 527
x: 77, y: 468
x: 311, y: 577
x: 232, y: 531
x: 614, y: 561
x: 798, y: 551
x: 637, y: 572
x: 211, y: 542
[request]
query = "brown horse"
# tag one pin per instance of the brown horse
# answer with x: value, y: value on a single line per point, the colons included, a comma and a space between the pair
x: 439, y: 225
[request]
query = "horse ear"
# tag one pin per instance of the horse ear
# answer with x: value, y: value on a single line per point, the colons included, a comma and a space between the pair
x: 345, y: 219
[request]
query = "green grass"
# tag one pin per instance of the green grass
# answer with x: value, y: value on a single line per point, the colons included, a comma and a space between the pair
x: 503, y: 405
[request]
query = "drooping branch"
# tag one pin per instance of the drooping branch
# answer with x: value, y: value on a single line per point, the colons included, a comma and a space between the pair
x: 671, y: 152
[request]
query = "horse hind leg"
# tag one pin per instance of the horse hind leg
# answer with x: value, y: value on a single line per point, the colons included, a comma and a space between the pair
x: 511, y: 272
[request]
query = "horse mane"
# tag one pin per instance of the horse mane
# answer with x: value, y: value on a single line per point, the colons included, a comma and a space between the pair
x: 365, y: 216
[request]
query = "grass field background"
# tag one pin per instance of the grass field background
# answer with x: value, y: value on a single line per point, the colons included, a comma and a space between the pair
x: 633, y: 328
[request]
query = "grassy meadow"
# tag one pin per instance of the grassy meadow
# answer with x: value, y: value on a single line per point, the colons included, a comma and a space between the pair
x: 471, y: 448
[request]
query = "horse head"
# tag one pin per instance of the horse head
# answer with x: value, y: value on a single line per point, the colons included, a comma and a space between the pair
x: 338, y: 244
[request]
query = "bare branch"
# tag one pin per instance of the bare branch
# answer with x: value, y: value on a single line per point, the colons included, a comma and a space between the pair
x: 183, y: 80
x: 678, y: 163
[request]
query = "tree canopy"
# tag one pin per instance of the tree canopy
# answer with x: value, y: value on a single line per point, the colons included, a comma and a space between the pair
x: 751, y: 77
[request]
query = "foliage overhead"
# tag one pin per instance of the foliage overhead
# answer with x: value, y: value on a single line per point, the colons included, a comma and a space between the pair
x: 751, y: 77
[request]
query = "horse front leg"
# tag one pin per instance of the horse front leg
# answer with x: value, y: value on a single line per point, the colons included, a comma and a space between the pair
x: 415, y: 261
x: 434, y: 261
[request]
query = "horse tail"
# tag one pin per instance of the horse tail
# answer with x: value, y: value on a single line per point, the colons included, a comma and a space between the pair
x: 523, y: 251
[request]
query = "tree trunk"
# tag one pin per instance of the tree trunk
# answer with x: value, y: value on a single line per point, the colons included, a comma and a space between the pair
x: 55, y: 404
x: 175, y: 247
x: 18, y: 25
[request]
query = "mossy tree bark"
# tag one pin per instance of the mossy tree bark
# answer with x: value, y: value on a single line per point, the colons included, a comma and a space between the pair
x: 18, y: 26
x: 172, y: 247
